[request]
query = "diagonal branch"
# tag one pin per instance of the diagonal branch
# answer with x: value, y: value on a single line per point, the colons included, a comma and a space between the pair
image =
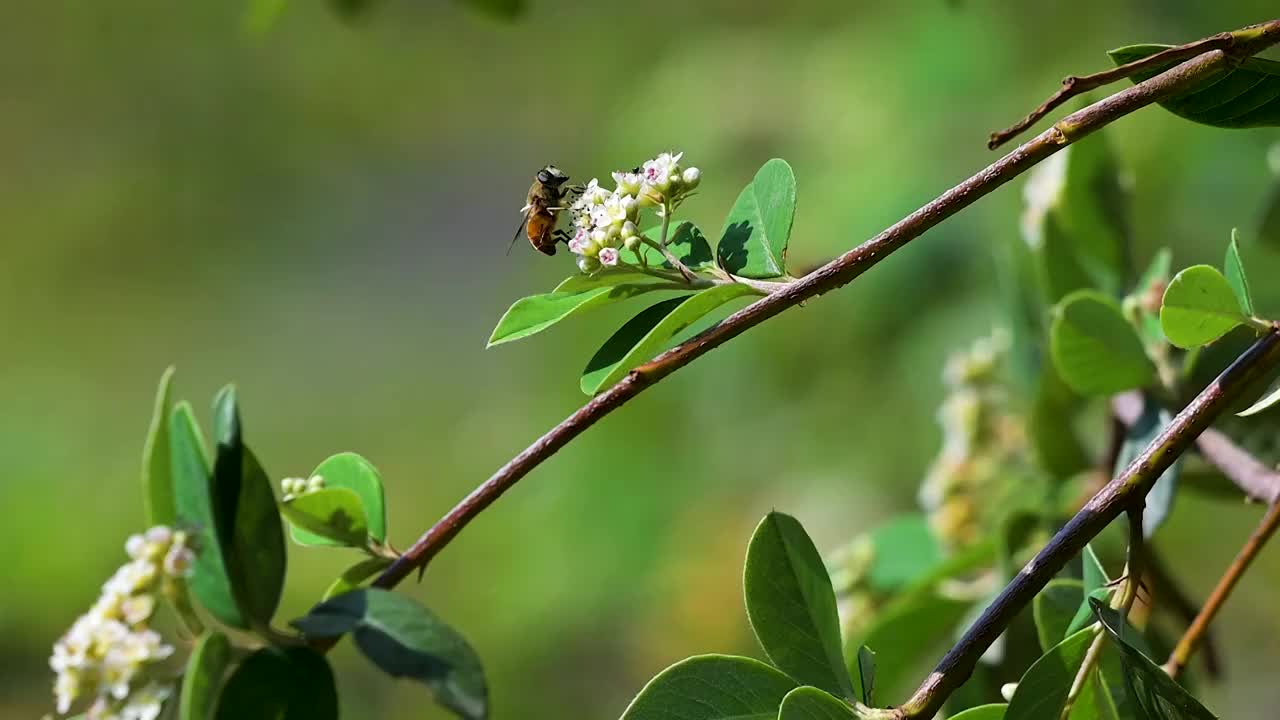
x: 1118, y: 496
x: 829, y: 277
x: 1257, y: 479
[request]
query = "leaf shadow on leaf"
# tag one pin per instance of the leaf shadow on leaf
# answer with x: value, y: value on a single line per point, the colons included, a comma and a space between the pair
x: 621, y: 342
x: 732, y: 250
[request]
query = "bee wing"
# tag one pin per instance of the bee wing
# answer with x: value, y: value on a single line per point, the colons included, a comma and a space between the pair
x: 519, y: 229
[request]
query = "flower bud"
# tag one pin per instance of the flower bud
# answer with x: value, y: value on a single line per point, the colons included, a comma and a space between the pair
x: 632, y: 243
x: 315, y: 483
x: 588, y: 265
x: 628, y: 230
x: 1007, y: 690
x: 691, y: 177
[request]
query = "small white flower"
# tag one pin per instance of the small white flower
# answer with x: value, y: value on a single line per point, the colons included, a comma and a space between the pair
x: 314, y: 483
x: 578, y: 244
x: 593, y: 193
x: 609, y: 256
x: 628, y: 182
x: 179, y: 562
x: 159, y: 535
x: 146, y: 703
x: 657, y: 172
x: 135, y: 546
x: 137, y: 609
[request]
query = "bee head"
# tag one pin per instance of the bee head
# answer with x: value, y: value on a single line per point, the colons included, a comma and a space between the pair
x: 551, y: 175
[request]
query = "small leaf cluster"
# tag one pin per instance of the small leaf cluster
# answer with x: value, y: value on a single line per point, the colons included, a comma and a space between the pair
x: 751, y: 251
x: 240, y: 664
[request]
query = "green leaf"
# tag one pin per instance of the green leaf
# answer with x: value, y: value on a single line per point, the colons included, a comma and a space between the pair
x: 405, y: 639
x: 193, y: 505
x: 811, y: 703
x: 1155, y: 693
x: 1233, y: 269
x: 712, y: 687
x: 753, y: 243
x: 1269, y: 400
x: 203, y: 676
x: 533, y: 314
x: 157, y: 465
x: 1247, y: 95
x: 685, y: 241
x: 248, y: 525
x: 1153, y: 281
x: 1077, y: 219
x: 1096, y: 351
x: 904, y: 550
x: 648, y: 333
x: 351, y: 471
x: 994, y: 711
x: 355, y: 575
x: 1042, y: 691
x: 605, y: 277
x: 280, y: 683
x: 1054, y: 609
x: 1094, y: 585
x: 908, y: 629
x: 792, y: 607
x: 335, y: 514
x: 1050, y: 428
x: 1199, y: 307
x: 864, y: 676
x: 1153, y: 420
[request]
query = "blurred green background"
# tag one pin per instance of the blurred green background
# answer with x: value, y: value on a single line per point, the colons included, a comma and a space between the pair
x: 320, y: 213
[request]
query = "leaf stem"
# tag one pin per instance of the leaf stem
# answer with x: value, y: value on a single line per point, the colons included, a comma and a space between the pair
x: 833, y: 275
x: 1200, y: 626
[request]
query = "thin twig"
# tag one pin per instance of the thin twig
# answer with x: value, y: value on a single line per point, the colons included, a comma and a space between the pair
x: 831, y: 276
x: 1074, y: 85
x: 1257, y: 479
x: 1119, y: 494
x: 1200, y: 626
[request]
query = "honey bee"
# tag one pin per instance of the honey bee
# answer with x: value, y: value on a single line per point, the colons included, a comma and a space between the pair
x: 543, y: 208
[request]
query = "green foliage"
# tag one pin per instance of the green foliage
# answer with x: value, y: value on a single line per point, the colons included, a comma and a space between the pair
x: 335, y: 514
x: 354, y: 473
x: 1095, y: 350
x: 1148, y: 685
x: 248, y: 525
x: 157, y: 470
x: 1199, y: 307
x: 994, y: 711
x: 811, y: 703
x: 1243, y: 96
x: 754, y: 241
x: 203, y: 676
x: 1042, y: 691
x: 792, y: 606
x: 355, y: 575
x: 649, y: 332
x: 1054, y: 609
x: 1233, y: 269
x: 405, y: 639
x: 1095, y: 582
x: 712, y: 687
x: 287, y: 683
x: 1153, y: 420
x: 1269, y: 400
x: 536, y: 313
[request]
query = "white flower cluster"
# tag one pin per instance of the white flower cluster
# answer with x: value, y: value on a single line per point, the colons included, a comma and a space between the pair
x: 605, y: 220
x: 293, y: 487
x: 108, y: 653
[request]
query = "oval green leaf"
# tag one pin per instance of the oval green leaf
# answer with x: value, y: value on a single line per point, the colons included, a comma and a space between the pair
x: 1094, y: 585
x: 1054, y: 608
x: 353, y: 472
x: 754, y: 241
x: 203, y: 676
x: 405, y: 639
x: 1156, y: 694
x: 648, y: 333
x: 533, y: 314
x: 335, y: 514
x: 193, y: 508
x: 1233, y: 270
x: 686, y: 242
x: 355, y: 575
x: 248, y: 525
x: 280, y: 683
x: 712, y: 687
x: 1095, y: 350
x: 157, y: 467
x: 1244, y: 96
x: 811, y: 703
x: 792, y: 607
x: 1042, y: 691
x: 1199, y: 307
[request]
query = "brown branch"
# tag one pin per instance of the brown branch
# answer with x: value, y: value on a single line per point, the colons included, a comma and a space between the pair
x: 1257, y: 479
x: 1239, y: 44
x: 1075, y: 85
x: 1117, y: 497
x: 1200, y: 626
x: 829, y: 277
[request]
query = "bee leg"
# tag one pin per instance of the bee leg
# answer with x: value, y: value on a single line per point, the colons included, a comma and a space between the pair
x: 560, y: 235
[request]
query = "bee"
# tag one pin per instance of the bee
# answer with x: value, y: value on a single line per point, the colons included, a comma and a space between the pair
x: 543, y: 208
